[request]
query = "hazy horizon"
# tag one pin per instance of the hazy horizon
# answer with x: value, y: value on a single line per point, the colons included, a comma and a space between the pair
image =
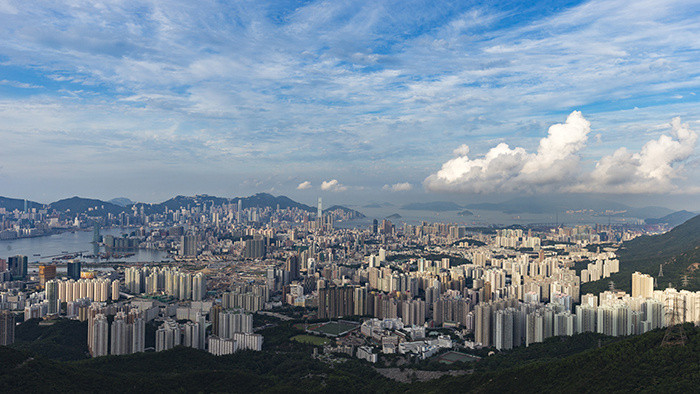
x: 351, y: 200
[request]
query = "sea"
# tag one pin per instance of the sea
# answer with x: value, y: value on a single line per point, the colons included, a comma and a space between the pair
x: 43, y: 249
x: 480, y: 218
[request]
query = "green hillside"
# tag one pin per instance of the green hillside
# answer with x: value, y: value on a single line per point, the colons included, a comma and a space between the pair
x: 633, y: 364
x: 63, y: 340
x: 678, y: 250
x: 562, y: 364
x: 11, y: 204
x: 76, y: 205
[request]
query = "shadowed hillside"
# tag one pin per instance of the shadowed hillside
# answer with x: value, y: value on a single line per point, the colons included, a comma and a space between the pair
x: 678, y: 250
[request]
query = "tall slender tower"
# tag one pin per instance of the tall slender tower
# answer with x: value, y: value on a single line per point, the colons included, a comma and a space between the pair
x: 7, y: 328
x: 319, y: 215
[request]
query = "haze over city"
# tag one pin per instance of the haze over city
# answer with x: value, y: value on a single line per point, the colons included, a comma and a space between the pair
x: 354, y: 101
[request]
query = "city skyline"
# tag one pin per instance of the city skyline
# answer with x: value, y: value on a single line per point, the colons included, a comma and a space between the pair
x: 352, y: 101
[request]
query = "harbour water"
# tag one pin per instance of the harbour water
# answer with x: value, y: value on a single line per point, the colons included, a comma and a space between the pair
x: 43, y: 249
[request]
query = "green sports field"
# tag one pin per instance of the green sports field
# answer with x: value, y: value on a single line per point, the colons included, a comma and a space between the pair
x: 334, y: 328
x: 453, y: 357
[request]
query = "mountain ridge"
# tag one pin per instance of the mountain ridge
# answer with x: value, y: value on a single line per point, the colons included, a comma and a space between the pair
x: 674, y: 219
x: 95, y: 207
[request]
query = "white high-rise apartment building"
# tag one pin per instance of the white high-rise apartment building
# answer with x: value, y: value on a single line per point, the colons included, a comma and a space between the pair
x: 642, y: 285
x: 100, y: 336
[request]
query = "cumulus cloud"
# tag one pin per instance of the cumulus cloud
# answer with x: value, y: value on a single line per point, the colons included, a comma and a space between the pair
x: 514, y: 169
x: 398, y: 187
x: 333, y: 186
x: 556, y: 165
x: 652, y: 170
x: 304, y: 185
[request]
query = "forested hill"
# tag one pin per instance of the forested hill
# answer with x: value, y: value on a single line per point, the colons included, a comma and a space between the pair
x: 678, y: 250
x: 633, y: 364
x: 10, y: 204
x: 557, y: 365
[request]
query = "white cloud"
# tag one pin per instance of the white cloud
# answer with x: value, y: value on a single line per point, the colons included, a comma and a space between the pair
x: 398, y: 187
x: 333, y: 185
x: 652, y: 170
x: 556, y: 165
x: 304, y: 185
x: 506, y: 169
x: 462, y: 150
x: 21, y: 85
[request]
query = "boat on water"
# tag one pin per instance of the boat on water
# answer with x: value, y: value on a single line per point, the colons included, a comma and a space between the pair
x: 37, y: 254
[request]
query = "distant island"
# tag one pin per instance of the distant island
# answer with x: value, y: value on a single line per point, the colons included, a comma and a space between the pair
x: 394, y: 216
x: 466, y: 213
x: 552, y: 205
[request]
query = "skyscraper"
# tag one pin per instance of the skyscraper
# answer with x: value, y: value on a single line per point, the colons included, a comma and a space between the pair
x: 46, y: 273
x: 199, y: 287
x: 642, y: 285
x: 115, y: 290
x: 7, y: 328
x: 17, y: 266
x: 503, y: 338
x: 138, y: 332
x: 292, y: 266
x: 215, y: 316
x: 168, y: 336
x: 336, y: 302
x: 52, y: 297
x: 254, y: 248
x: 100, y: 336
x: 120, y: 343
x: 73, y: 270
x: 482, y: 325
x: 188, y: 245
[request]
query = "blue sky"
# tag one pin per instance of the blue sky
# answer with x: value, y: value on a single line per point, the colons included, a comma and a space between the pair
x: 377, y: 99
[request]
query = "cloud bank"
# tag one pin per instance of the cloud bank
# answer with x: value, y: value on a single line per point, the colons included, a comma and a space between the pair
x: 556, y: 166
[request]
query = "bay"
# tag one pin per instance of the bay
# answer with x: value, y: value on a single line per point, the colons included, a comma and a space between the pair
x: 43, y: 249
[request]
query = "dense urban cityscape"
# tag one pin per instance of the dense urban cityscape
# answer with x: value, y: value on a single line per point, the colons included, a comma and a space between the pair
x: 311, y: 196
x: 413, y: 290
